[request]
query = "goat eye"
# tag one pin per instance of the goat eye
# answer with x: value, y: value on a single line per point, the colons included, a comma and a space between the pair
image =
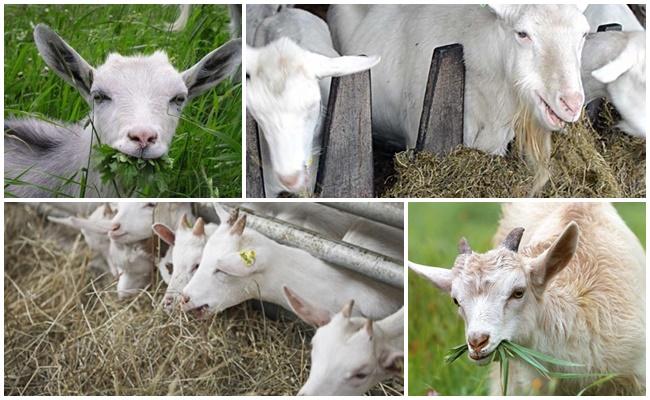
x: 523, y: 35
x: 248, y: 77
x: 100, y: 97
x: 180, y: 99
x: 170, y: 267
x: 360, y: 375
x: 455, y: 301
x: 517, y: 294
x: 194, y: 268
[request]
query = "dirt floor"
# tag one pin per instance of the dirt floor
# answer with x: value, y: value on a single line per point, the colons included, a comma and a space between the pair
x: 67, y: 334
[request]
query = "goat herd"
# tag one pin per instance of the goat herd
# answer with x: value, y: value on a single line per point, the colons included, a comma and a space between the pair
x: 555, y: 304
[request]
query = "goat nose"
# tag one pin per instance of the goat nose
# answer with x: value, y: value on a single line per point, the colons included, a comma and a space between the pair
x: 185, y: 299
x: 115, y: 226
x: 143, y: 138
x: 573, y: 103
x: 290, y: 181
x: 478, y: 341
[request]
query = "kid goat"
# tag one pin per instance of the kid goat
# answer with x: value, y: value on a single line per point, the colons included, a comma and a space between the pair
x: 135, y: 103
x: 567, y: 280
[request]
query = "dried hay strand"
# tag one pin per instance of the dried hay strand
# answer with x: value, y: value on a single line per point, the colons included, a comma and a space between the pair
x: 67, y: 334
x: 584, y: 163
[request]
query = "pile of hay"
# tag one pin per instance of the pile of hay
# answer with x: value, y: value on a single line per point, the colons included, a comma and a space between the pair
x: 584, y: 163
x: 67, y: 334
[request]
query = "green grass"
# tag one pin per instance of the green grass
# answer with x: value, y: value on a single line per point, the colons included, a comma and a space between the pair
x: 207, y: 146
x: 434, y: 325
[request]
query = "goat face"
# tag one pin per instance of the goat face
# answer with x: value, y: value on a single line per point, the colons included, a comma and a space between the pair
x: 225, y: 276
x: 136, y: 101
x: 132, y: 222
x: 543, y: 46
x: 283, y: 94
x: 496, y: 292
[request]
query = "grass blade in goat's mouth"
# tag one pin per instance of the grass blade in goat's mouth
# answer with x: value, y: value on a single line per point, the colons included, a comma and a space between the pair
x: 507, y: 350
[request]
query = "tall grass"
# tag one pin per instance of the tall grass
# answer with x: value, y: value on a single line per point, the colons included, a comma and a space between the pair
x: 207, y: 147
x: 434, y: 323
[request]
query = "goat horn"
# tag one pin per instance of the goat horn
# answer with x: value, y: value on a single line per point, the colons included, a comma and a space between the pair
x: 108, y: 211
x: 238, y: 227
x: 368, y: 327
x: 511, y: 242
x: 199, y: 227
x: 346, y: 311
x: 185, y: 222
x: 234, y: 215
x: 463, y: 247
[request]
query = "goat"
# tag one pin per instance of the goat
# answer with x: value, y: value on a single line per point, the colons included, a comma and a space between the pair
x: 566, y: 279
x: 287, y: 86
x: 239, y: 264
x: 613, y: 66
x: 349, y: 354
x: 135, y: 103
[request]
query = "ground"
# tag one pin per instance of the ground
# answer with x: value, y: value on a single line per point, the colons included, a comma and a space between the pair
x: 434, y: 325
x: 207, y: 147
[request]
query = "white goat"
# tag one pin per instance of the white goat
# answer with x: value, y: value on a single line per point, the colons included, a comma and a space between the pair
x: 94, y: 229
x: 239, y: 264
x: 349, y: 354
x: 602, y: 14
x: 188, y: 242
x: 613, y: 66
x: 287, y: 87
x: 135, y: 103
x: 522, y: 67
x: 568, y: 280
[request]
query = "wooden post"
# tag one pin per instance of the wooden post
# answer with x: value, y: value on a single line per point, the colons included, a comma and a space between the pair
x: 595, y: 106
x: 441, y: 124
x: 345, y: 168
x: 254, y: 177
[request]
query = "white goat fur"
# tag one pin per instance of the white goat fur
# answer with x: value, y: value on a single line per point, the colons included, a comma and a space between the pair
x: 582, y: 272
x: 613, y: 66
x: 135, y: 103
x: 288, y: 81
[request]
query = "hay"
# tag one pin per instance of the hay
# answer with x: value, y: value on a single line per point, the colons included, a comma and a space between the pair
x: 584, y: 163
x: 67, y: 334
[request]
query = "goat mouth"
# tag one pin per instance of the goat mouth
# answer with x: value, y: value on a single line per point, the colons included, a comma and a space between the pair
x: 113, y: 235
x: 552, y: 118
x: 200, y: 313
x: 481, y: 358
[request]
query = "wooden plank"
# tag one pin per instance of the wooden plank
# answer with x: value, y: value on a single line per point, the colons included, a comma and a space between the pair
x: 345, y: 168
x: 441, y: 123
x: 254, y: 178
x: 639, y: 12
x: 595, y: 106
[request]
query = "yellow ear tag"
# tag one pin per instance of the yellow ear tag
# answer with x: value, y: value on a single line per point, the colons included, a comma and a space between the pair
x: 248, y: 257
x: 309, y: 162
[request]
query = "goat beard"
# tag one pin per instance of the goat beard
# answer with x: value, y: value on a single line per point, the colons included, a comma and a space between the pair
x: 534, y: 144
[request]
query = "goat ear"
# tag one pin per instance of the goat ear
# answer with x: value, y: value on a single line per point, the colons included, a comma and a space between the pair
x: 392, y: 361
x: 325, y: 67
x: 555, y: 258
x: 63, y: 59
x: 163, y: 232
x: 440, y: 277
x: 612, y: 70
x: 307, y: 312
x: 213, y: 68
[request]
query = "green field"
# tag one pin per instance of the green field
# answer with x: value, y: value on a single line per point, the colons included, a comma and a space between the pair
x: 434, y: 325
x: 206, y: 150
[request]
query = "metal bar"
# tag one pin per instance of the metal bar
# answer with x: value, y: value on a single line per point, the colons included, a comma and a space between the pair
x: 354, y: 258
x: 386, y: 213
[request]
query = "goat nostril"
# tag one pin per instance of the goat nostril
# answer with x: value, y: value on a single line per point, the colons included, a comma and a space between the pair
x: 115, y: 227
x: 185, y: 299
x: 143, y: 138
x: 478, y: 342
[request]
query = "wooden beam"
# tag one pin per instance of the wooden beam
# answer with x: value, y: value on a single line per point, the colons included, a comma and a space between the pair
x: 639, y: 12
x: 441, y: 124
x: 345, y: 168
x: 254, y: 177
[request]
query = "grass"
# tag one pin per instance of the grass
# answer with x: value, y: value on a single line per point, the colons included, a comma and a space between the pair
x: 65, y: 332
x: 434, y: 231
x: 207, y: 146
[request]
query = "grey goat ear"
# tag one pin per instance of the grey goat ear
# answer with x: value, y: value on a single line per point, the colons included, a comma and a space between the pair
x: 63, y: 59
x: 213, y: 68
x: 511, y: 242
